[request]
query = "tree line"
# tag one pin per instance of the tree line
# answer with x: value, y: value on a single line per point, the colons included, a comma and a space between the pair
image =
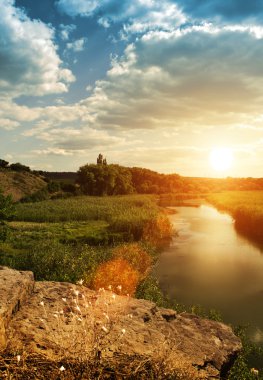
x: 16, y: 167
x: 103, y: 179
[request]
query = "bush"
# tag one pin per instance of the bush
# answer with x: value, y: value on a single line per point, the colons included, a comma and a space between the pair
x: 38, y: 196
x: 137, y: 257
x: 7, y: 208
x: 118, y: 274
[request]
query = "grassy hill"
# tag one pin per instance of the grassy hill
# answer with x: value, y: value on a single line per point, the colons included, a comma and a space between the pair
x: 20, y: 184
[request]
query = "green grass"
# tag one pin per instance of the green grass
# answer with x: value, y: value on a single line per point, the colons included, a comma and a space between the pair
x: 84, y: 208
x: 93, y: 232
x: 246, y: 207
x: 66, y: 239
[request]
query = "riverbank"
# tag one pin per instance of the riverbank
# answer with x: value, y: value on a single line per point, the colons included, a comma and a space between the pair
x: 73, y: 239
x: 246, y: 207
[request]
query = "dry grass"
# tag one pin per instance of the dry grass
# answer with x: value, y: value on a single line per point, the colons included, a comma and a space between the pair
x: 86, y: 341
x: 20, y: 184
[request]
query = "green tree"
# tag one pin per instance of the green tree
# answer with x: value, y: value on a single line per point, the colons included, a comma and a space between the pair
x: 17, y: 167
x: 3, y: 164
x: 104, y: 180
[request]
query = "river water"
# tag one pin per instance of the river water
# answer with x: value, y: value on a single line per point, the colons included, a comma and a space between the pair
x: 210, y: 264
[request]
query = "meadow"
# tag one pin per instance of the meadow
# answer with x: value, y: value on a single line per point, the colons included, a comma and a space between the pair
x: 246, y: 208
x: 68, y: 239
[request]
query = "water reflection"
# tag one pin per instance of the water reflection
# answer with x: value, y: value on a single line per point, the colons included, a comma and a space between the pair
x: 211, y: 264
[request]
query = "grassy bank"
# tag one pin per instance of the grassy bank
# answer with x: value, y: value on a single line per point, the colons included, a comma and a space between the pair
x: 246, y: 207
x: 69, y: 239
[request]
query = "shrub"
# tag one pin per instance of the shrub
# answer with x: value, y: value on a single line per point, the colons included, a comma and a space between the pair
x: 137, y: 257
x: 117, y: 273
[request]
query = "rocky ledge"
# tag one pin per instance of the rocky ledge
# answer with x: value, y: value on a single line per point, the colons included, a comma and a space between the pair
x: 64, y: 323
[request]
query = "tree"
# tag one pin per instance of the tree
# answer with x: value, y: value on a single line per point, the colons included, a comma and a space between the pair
x: 17, y: 167
x: 3, y: 164
x: 101, y: 160
x: 104, y: 180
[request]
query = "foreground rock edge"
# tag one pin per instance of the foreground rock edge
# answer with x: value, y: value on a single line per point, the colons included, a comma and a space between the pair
x: 64, y: 322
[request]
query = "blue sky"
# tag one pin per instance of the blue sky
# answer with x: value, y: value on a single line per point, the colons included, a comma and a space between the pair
x: 146, y: 83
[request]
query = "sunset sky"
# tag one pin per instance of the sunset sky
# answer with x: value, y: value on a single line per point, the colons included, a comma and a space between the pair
x: 150, y: 83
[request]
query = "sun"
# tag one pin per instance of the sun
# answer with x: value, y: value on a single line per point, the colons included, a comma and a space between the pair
x: 221, y: 159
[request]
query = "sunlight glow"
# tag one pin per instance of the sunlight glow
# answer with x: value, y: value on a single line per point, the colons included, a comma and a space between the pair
x: 221, y: 159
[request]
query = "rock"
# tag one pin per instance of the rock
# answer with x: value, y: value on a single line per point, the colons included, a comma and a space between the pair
x: 62, y: 322
x: 15, y: 287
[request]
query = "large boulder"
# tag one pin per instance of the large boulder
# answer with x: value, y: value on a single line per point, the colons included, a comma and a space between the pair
x: 64, y: 323
x: 15, y: 289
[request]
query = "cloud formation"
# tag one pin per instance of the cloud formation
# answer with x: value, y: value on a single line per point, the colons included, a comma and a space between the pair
x: 66, y: 30
x: 138, y: 16
x: 77, y: 45
x: 206, y: 78
x: 29, y: 63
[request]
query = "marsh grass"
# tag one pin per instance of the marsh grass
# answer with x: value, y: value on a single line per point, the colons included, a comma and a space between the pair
x: 129, y: 209
x: 246, y: 207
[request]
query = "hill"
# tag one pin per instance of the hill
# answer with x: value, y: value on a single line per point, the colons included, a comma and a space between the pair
x: 20, y: 184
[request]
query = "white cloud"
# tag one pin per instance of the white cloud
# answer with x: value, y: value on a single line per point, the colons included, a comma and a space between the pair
x: 29, y: 61
x: 138, y: 16
x: 77, y: 45
x: 78, y: 7
x: 66, y: 30
x: 8, y: 124
x: 195, y: 76
x: 52, y: 152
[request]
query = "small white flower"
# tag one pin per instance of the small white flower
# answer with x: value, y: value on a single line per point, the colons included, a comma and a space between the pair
x: 41, y: 303
x: 109, y: 287
x: 80, y: 282
x: 80, y: 319
x: 62, y: 368
x: 119, y: 287
x: 254, y: 371
x: 106, y: 316
x: 76, y: 292
x: 104, y: 329
x: 113, y: 296
x: 123, y: 331
x: 78, y: 308
x: 64, y: 299
x: 18, y: 358
x: 61, y: 312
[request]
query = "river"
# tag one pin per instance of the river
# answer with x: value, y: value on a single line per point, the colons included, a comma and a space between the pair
x: 210, y: 264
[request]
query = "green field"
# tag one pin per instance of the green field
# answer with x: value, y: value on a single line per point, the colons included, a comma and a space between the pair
x: 246, y: 207
x: 67, y: 239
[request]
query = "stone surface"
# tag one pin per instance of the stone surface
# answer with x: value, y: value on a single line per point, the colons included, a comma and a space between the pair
x: 62, y: 320
x: 15, y: 288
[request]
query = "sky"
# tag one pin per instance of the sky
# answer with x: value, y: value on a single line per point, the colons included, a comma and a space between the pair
x: 148, y: 83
